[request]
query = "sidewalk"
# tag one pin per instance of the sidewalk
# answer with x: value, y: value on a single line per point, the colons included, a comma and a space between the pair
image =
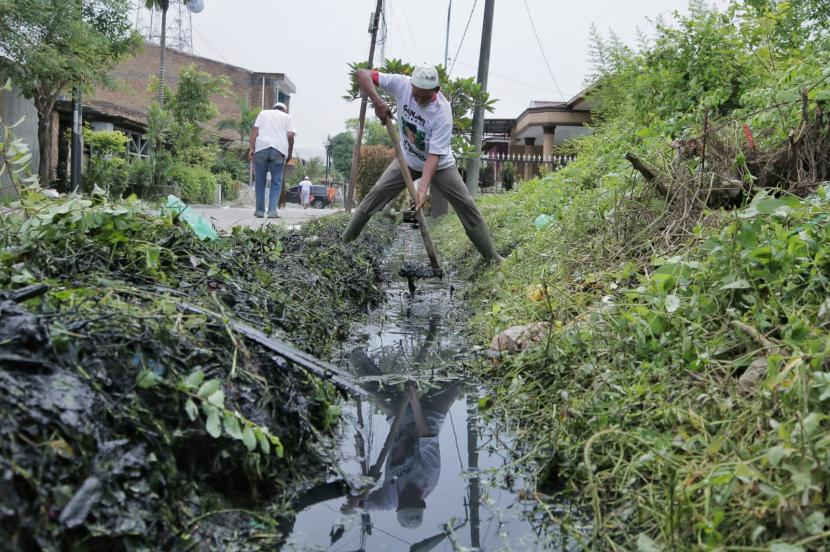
x: 225, y: 218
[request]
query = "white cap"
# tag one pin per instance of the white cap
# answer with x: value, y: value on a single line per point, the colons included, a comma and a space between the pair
x: 280, y: 105
x: 425, y: 77
x: 411, y: 518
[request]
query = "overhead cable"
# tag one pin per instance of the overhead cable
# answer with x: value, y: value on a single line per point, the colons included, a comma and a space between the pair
x: 463, y: 36
x: 409, y: 28
x: 542, y: 50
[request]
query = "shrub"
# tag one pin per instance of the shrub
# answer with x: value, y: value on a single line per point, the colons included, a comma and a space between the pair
x: 373, y: 161
x: 107, y: 168
x: 110, y: 175
x: 197, y: 184
x: 140, y: 177
x: 230, y: 186
x: 231, y: 161
x: 508, y: 176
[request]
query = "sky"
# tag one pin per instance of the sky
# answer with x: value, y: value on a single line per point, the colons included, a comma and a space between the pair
x: 312, y: 41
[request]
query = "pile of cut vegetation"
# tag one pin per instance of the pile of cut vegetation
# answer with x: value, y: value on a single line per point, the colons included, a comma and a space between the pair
x: 135, y: 415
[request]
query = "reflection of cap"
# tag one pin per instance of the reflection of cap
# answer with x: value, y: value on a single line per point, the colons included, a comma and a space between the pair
x: 411, y: 518
x: 280, y: 105
x: 425, y: 77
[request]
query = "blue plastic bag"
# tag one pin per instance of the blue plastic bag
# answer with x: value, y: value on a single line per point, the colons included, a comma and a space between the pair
x: 542, y: 221
x: 197, y: 222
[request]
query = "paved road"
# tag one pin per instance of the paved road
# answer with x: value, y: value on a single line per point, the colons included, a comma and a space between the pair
x: 225, y: 218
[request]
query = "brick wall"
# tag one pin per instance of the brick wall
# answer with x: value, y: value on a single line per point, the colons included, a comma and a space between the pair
x: 131, y: 97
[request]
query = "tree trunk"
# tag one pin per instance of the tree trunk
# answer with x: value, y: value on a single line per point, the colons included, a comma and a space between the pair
x: 165, y: 4
x: 44, y: 140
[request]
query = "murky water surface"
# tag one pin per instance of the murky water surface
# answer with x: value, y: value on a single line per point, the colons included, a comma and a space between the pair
x: 424, y: 471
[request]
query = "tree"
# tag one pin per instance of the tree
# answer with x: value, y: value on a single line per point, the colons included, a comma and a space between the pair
x: 245, y: 123
x: 162, y: 5
x: 374, y: 132
x: 191, y: 106
x: 48, y: 46
x: 315, y: 168
x: 342, y: 146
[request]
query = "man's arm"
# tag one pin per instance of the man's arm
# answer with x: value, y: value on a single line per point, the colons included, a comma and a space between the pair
x: 252, y: 143
x: 420, y: 420
x: 364, y: 82
x: 430, y: 165
x: 290, y: 146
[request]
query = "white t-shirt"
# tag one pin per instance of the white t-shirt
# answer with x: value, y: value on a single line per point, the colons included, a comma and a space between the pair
x: 305, y: 186
x: 274, y: 126
x: 422, y: 467
x: 423, y: 130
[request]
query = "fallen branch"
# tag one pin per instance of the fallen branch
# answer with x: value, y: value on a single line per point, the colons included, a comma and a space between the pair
x: 285, y: 350
x: 647, y: 173
x: 759, y: 338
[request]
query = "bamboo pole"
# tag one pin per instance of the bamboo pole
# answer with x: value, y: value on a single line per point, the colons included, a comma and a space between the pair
x: 413, y: 193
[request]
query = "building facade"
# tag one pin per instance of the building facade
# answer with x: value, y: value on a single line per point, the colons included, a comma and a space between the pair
x: 535, y: 134
x: 124, y: 107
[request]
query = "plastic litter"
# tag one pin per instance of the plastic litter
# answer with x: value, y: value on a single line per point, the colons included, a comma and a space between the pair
x: 197, y: 222
x: 542, y: 221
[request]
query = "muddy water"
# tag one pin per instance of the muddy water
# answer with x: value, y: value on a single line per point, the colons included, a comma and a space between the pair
x: 424, y: 470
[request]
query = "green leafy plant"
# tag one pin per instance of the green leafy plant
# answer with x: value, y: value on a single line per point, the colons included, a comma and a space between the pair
x: 373, y: 161
x: 64, y: 44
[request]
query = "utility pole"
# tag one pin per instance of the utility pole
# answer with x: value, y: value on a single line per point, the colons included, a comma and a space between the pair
x: 447, y: 38
x: 328, y: 159
x: 77, y: 125
x: 77, y: 153
x: 358, y: 139
x: 474, y: 163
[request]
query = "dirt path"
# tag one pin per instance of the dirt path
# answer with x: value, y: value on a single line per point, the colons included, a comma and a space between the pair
x: 225, y: 218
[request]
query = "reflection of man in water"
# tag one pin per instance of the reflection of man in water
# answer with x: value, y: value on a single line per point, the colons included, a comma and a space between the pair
x: 413, y: 465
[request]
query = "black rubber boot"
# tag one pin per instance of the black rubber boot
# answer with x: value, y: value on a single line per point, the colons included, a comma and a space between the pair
x: 352, y: 231
x: 480, y: 236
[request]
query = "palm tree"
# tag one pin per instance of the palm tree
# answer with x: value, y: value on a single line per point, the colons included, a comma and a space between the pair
x: 245, y: 123
x: 163, y: 5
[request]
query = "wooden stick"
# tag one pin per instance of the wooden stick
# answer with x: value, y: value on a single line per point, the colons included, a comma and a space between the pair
x: 647, y: 173
x: 320, y: 368
x: 413, y: 193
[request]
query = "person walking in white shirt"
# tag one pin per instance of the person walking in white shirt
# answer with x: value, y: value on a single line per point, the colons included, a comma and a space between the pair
x: 305, y: 191
x: 270, y: 148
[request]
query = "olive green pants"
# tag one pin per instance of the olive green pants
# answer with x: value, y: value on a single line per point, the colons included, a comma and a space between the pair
x: 448, y: 183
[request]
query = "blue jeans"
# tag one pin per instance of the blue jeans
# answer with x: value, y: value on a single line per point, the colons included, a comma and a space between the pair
x: 267, y: 160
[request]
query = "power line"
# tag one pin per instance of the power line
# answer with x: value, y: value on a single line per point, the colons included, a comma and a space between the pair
x: 394, y: 19
x: 215, y: 49
x: 463, y: 36
x: 517, y: 81
x: 409, y: 28
x: 542, y: 50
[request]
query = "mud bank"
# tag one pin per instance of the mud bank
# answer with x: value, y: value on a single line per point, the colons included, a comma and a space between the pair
x: 129, y: 422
